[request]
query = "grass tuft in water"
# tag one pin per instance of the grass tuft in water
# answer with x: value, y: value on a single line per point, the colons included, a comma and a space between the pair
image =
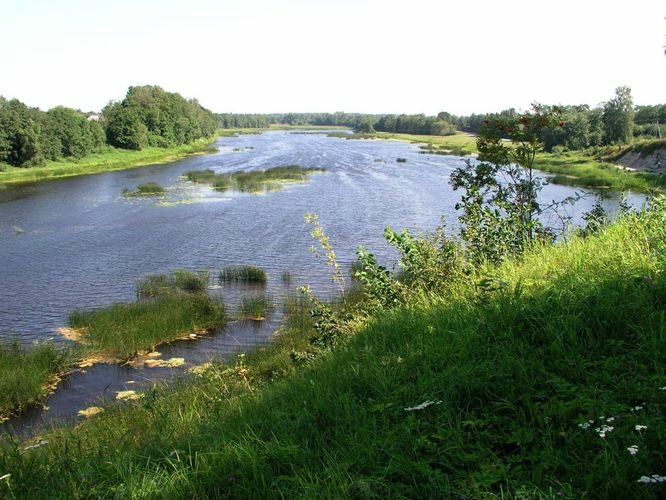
x: 27, y: 374
x: 286, y: 277
x: 181, y: 280
x: 250, y: 274
x: 124, y: 329
x: 256, y: 308
x: 146, y: 189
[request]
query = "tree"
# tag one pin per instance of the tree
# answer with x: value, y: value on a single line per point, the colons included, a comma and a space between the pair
x: 124, y: 128
x: 500, y: 207
x: 618, y: 117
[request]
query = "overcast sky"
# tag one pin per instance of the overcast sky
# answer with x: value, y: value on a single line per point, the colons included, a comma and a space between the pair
x: 417, y: 56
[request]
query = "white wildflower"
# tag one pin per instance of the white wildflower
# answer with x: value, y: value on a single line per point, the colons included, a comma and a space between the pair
x: 41, y: 442
x: 603, y: 430
x: 610, y: 419
x: 6, y: 476
x: 423, y: 405
x: 633, y: 449
x: 637, y: 408
x: 655, y: 478
x: 662, y: 388
x: 640, y: 428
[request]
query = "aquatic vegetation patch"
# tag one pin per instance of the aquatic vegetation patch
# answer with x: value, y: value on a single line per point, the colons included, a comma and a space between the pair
x: 255, y: 308
x: 124, y: 329
x: 249, y: 274
x: 146, y: 189
x: 28, y: 374
x: 180, y: 280
x: 255, y: 181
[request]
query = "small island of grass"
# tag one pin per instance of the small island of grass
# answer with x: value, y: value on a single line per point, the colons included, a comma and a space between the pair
x: 249, y: 274
x: 257, y: 181
x: 146, y: 189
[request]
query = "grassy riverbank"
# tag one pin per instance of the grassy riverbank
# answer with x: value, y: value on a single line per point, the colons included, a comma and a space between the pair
x: 532, y: 380
x: 111, y: 159
x: 577, y: 169
x: 28, y: 374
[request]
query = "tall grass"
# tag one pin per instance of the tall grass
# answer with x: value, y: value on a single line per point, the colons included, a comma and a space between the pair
x: 122, y: 330
x: 250, y: 274
x: 577, y: 169
x: 27, y: 373
x: 485, y: 390
x: 255, y: 181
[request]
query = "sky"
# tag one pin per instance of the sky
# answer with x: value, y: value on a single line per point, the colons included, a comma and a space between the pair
x: 368, y: 56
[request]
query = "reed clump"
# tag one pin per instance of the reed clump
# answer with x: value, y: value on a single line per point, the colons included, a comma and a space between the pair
x: 123, y: 330
x: 248, y: 274
x: 146, y: 189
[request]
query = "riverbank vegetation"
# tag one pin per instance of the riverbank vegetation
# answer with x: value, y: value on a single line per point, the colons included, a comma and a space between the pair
x: 254, y: 181
x: 108, y: 160
x: 64, y: 141
x: 28, y: 374
x: 500, y: 380
x: 123, y: 330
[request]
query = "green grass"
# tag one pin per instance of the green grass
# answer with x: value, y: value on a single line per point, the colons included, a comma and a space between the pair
x: 110, y: 159
x: 146, y: 189
x: 255, y: 308
x: 250, y: 274
x: 257, y: 181
x: 180, y: 280
x: 27, y: 374
x: 578, y: 169
x: 565, y: 335
x: 124, y: 329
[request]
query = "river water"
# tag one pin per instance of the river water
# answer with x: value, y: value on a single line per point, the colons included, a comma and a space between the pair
x: 78, y: 243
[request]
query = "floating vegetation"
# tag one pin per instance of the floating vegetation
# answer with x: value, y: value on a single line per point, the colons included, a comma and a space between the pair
x: 245, y: 148
x: 250, y: 274
x: 255, y: 308
x: 256, y: 181
x: 164, y: 363
x: 128, y: 395
x: 91, y: 411
x: 181, y: 280
x: 401, y: 160
x: 146, y: 189
x: 122, y: 330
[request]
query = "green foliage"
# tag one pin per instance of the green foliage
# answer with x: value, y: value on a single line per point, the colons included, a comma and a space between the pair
x: 149, y: 116
x: 19, y: 139
x: 318, y: 234
x: 499, y: 203
x: 618, y: 117
x: 124, y: 329
x: 27, y: 373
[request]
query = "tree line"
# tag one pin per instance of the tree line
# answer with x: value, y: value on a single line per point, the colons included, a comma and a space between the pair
x: 614, y: 121
x: 147, y: 116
